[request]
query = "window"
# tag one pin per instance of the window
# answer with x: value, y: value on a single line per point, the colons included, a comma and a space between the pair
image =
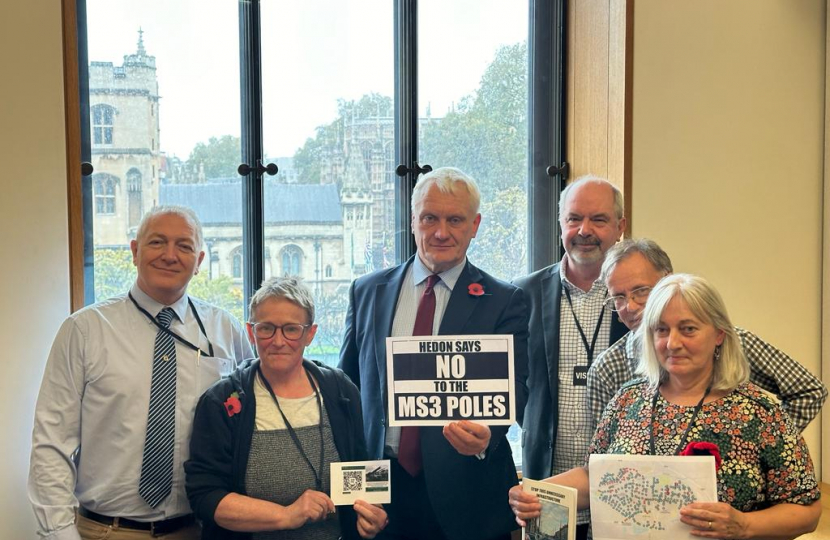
x: 135, y: 201
x: 236, y: 262
x: 338, y: 115
x: 102, y: 116
x: 104, y: 193
x: 291, y: 257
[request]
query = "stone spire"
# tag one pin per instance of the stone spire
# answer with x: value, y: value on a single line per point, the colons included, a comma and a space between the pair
x: 141, y: 50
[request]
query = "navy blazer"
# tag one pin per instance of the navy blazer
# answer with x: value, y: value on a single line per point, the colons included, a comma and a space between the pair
x: 468, y: 495
x: 543, y: 291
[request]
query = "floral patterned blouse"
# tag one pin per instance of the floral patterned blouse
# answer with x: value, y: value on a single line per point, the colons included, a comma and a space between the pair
x: 764, y: 458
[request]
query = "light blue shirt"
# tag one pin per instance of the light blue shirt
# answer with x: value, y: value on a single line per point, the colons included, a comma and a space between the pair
x: 414, y: 283
x: 95, y: 397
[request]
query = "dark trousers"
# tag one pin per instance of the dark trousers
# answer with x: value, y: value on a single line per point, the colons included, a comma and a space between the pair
x: 410, y: 515
x: 582, y: 531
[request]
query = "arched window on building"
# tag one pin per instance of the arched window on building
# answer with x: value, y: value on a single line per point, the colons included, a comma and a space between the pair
x: 102, y: 120
x: 291, y: 258
x: 134, y: 200
x: 328, y: 270
x: 236, y: 263
x: 104, y: 191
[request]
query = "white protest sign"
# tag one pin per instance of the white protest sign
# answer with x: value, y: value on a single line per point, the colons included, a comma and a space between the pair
x: 434, y: 380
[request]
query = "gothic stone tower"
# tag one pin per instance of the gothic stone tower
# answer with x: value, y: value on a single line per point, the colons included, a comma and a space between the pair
x: 124, y: 117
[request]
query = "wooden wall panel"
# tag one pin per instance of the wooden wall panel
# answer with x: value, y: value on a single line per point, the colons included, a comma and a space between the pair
x: 598, y: 100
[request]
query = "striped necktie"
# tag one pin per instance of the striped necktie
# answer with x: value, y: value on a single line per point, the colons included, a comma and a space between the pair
x: 157, y: 461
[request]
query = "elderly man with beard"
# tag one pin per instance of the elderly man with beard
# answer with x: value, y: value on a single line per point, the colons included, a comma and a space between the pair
x: 570, y: 325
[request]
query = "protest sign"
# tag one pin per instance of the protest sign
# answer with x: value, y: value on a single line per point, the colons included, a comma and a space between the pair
x: 434, y: 380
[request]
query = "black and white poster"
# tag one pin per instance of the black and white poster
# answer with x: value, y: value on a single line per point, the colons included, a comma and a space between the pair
x: 434, y: 380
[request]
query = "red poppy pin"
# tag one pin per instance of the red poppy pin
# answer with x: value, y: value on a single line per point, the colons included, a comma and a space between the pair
x: 703, y: 448
x: 233, y: 405
x: 475, y: 289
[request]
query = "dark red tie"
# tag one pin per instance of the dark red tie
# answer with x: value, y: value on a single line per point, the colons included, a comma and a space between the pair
x: 409, y: 450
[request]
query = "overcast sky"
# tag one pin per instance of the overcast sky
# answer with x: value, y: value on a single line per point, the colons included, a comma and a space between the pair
x: 313, y: 52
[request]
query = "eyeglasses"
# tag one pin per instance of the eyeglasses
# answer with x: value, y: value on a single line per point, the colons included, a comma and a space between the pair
x: 620, y: 301
x: 292, y: 332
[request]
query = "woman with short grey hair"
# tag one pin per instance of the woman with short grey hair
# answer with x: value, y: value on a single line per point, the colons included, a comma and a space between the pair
x: 264, y: 438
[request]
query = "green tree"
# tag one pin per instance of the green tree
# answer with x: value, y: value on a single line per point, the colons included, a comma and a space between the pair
x: 114, y: 272
x: 501, y: 244
x: 486, y: 134
x: 220, y: 157
x: 220, y: 291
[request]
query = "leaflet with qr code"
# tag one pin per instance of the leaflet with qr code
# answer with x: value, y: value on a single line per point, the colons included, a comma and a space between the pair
x: 365, y: 480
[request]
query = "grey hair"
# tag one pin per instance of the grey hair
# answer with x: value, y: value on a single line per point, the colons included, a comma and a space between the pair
x: 592, y: 179
x: 624, y: 249
x: 171, y: 209
x: 446, y: 180
x: 290, y: 288
x: 731, y: 369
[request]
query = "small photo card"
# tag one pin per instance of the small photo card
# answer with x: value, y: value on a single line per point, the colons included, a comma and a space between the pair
x: 365, y: 480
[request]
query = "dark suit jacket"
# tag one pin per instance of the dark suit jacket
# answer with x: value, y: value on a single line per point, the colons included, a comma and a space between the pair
x: 468, y: 495
x: 543, y: 291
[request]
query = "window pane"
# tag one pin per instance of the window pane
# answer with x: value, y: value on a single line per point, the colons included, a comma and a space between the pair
x: 473, y: 107
x: 164, y: 104
x: 474, y: 115
x: 329, y: 126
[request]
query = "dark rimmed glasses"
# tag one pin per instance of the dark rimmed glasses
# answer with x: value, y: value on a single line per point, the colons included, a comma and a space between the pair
x: 291, y: 332
x: 619, y: 302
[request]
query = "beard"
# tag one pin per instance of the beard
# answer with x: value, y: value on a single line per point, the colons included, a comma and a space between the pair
x: 585, y: 257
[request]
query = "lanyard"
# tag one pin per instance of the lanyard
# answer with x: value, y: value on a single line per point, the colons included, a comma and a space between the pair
x: 589, y: 349
x: 682, y: 443
x: 173, y: 334
x: 318, y: 478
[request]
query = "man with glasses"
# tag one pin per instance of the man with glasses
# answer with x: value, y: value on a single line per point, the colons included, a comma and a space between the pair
x: 113, y: 417
x: 631, y: 269
x: 569, y: 327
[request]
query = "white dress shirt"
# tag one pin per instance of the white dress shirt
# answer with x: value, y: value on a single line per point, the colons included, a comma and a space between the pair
x: 91, y: 413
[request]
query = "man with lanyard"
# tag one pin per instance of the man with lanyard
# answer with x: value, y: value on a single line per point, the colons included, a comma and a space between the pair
x: 569, y: 327
x: 114, y: 413
x: 631, y: 269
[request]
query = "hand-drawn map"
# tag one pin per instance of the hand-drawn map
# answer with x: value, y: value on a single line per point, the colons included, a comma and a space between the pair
x: 640, y: 497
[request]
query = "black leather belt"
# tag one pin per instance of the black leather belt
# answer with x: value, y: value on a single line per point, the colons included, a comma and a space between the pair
x: 156, y: 528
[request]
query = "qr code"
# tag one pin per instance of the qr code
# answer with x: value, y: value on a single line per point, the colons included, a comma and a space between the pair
x: 352, y: 481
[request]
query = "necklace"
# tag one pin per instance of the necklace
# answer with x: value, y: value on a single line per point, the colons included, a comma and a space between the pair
x: 692, y: 420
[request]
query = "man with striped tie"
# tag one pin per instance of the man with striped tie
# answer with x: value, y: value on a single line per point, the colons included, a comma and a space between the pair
x: 114, y: 413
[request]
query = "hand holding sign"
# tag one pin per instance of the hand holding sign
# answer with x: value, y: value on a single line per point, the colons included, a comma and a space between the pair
x: 468, y: 438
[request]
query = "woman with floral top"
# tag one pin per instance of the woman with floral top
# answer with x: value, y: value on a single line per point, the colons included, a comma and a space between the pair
x: 693, y: 396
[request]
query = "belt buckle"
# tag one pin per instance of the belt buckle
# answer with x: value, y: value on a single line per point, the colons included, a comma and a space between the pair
x: 153, y: 532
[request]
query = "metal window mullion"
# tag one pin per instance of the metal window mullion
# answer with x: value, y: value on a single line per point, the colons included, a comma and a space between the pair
x: 406, y: 120
x: 546, y: 141
x: 253, y: 207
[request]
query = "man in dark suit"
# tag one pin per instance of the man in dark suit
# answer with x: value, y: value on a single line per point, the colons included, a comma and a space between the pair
x: 448, y: 482
x: 570, y: 325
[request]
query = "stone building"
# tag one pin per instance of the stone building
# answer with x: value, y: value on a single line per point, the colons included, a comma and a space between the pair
x: 124, y: 132
x: 328, y: 233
